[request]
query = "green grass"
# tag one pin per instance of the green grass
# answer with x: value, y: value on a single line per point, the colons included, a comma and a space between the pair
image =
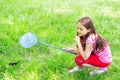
x: 53, y: 22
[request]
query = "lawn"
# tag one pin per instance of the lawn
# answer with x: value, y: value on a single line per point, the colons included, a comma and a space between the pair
x: 54, y: 22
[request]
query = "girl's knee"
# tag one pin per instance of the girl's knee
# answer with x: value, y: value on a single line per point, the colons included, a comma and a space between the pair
x: 79, y: 60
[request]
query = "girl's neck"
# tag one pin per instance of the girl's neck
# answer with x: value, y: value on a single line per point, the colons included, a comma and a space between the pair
x: 84, y: 36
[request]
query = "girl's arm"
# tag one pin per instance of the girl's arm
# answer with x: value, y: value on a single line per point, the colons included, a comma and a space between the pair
x: 68, y: 49
x: 78, y: 52
x: 84, y: 53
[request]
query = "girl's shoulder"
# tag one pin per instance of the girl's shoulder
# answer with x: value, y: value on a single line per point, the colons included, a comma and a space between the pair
x: 91, y: 38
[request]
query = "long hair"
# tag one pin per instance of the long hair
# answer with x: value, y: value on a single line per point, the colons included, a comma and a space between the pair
x: 88, y: 24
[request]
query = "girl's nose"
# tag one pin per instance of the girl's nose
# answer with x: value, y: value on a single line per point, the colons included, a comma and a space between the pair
x: 78, y: 30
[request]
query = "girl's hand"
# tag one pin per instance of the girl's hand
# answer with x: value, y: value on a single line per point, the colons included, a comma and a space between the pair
x: 77, y: 39
x: 68, y: 49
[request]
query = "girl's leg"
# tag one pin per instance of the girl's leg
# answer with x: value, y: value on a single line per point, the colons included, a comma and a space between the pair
x: 92, y: 60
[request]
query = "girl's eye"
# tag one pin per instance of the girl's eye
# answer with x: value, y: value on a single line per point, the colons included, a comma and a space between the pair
x: 80, y: 29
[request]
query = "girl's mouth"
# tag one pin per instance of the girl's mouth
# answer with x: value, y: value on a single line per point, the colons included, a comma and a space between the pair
x: 79, y: 34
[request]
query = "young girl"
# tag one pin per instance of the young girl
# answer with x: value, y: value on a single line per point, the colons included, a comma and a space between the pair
x: 91, y: 48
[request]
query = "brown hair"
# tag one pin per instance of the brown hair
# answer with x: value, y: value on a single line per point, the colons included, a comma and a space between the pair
x: 88, y: 24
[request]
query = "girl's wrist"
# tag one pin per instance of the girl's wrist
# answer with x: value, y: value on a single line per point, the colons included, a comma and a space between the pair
x: 79, y: 43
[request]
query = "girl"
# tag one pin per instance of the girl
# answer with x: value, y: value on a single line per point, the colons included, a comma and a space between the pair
x: 92, y: 48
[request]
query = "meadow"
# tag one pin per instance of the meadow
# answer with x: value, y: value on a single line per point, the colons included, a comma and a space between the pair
x: 54, y: 22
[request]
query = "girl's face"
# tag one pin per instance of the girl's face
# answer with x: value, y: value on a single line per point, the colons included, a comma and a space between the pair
x: 81, y: 30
